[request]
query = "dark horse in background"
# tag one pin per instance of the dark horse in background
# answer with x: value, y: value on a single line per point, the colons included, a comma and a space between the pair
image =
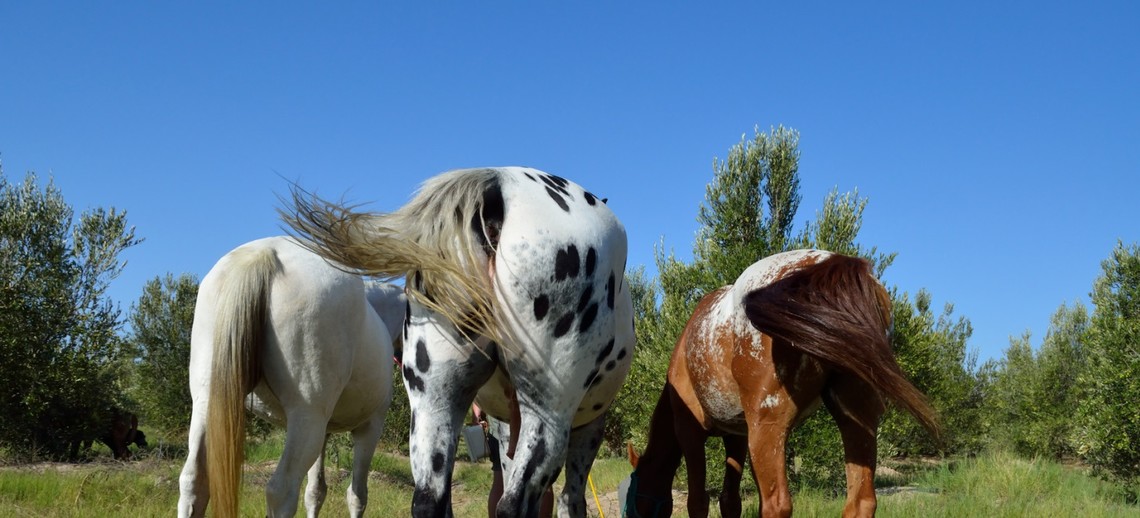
x: 118, y: 430
x: 797, y: 329
x: 123, y: 432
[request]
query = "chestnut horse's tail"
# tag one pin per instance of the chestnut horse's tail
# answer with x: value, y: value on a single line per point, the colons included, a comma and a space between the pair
x: 239, y: 335
x: 837, y: 311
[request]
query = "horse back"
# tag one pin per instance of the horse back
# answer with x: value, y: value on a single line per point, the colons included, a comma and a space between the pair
x: 701, y: 369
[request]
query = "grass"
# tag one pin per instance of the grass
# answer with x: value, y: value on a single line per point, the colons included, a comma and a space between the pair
x: 994, y: 484
x: 990, y: 485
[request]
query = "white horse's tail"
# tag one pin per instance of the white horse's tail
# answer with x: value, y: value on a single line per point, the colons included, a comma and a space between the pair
x: 238, y: 341
x: 446, y: 235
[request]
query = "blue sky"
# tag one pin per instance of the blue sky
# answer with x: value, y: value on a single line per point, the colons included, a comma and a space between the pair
x: 998, y: 144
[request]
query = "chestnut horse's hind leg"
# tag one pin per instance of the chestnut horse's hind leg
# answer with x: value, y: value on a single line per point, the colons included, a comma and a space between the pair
x: 857, y: 408
x: 772, y: 404
x: 766, y: 443
x: 735, y: 450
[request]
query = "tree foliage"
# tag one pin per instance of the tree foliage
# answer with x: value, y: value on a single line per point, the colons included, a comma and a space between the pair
x: 1108, y: 415
x: 932, y: 352
x: 161, y: 321
x: 60, y: 354
x: 1032, y: 393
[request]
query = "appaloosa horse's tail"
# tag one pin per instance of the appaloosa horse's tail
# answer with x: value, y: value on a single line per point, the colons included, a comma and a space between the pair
x: 838, y: 312
x: 443, y: 242
x: 239, y: 338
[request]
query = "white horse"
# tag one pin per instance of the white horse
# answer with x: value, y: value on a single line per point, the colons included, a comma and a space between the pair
x: 306, y: 343
x: 517, y: 296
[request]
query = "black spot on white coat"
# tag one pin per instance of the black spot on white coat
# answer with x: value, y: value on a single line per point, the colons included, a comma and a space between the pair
x: 610, y: 291
x: 563, y: 324
x: 587, y: 318
x: 558, y: 199
x: 423, y: 361
x: 567, y: 263
x: 541, y: 306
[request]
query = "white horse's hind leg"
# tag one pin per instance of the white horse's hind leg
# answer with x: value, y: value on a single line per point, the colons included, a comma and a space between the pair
x: 194, y: 490
x: 304, y: 443
x: 317, y: 488
x: 364, y: 441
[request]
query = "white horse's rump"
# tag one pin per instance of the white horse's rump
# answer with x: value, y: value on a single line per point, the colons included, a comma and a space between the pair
x: 300, y: 337
x: 517, y: 294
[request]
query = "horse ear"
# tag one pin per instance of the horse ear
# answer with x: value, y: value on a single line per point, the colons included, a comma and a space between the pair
x: 633, y: 456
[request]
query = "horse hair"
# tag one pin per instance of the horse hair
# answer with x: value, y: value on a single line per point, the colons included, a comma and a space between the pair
x: 838, y: 312
x: 416, y: 238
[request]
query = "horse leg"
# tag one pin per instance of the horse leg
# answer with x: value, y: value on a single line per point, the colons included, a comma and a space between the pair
x: 364, y: 441
x: 304, y: 443
x: 542, y: 444
x: 193, y: 488
x: 857, y: 408
x: 770, y: 413
x: 317, y: 488
x: 766, y: 444
x: 692, y: 437
x: 735, y: 449
x: 581, y: 451
x: 441, y: 373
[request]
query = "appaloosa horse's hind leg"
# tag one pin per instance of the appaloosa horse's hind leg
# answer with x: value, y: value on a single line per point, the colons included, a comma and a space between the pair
x: 442, y: 371
x: 735, y: 451
x: 538, y: 458
x: 584, y: 443
x: 857, y: 408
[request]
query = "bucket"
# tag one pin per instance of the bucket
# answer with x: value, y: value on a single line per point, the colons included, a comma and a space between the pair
x: 476, y: 442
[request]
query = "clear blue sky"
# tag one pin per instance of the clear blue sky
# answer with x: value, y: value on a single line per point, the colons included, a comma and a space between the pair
x: 998, y: 143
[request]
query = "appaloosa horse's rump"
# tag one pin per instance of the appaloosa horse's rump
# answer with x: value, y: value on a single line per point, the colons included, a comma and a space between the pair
x: 517, y: 298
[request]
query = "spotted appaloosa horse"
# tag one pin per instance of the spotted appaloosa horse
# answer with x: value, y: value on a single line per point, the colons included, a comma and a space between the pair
x: 517, y: 297
x: 756, y: 358
x: 303, y: 340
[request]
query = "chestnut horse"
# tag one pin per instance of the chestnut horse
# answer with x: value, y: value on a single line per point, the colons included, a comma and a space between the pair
x: 757, y: 358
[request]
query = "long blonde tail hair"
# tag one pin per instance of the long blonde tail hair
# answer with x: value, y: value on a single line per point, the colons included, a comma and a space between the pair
x: 430, y: 241
x: 239, y: 337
